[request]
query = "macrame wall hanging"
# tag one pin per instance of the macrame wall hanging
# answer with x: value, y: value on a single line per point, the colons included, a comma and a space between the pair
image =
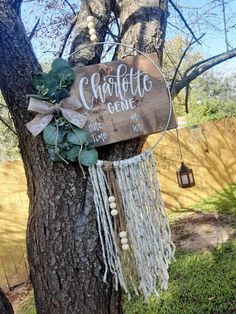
x: 133, y: 226
x: 117, y: 101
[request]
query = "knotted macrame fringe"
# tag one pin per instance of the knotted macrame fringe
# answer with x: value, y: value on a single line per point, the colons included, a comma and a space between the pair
x: 146, y: 223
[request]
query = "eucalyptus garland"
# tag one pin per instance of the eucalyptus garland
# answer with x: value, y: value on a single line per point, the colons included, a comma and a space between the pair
x: 64, y: 140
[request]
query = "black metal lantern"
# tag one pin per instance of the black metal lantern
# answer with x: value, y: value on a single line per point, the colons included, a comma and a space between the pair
x: 185, y: 176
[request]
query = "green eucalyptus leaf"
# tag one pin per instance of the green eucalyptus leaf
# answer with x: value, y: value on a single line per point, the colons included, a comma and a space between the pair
x: 59, y: 63
x: 50, y: 133
x: 88, y: 157
x: 65, y: 145
x: 73, y: 153
x: 61, y: 94
x: 56, y: 155
x: 77, y: 136
x: 66, y: 76
x: 38, y: 97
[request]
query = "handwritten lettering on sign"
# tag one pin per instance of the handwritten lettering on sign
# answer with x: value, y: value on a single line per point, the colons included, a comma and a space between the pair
x: 123, y: 99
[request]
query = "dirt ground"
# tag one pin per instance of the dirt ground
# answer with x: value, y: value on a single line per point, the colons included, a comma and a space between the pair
x: 198, y: 231
x: 19, y: 295
x: 194, y: 231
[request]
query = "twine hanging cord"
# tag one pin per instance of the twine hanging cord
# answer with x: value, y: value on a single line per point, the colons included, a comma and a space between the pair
x: 153, y: 63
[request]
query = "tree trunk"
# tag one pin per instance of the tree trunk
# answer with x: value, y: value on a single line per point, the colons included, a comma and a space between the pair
x: 64, y: 251
x: 5, y: 305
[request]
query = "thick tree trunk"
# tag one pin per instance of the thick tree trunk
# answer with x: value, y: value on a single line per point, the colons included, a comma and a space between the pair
x: 5, y: 305
x: 63, y: 245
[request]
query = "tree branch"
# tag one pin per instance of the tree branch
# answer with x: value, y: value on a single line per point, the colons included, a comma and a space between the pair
x: 184, y: 20
x: 67, y: 35
x: 72, y: 9
x: 182, y: 58
x: 172, y: 62
x: 32, y: 33
x: 7, y: 125
x: 200, y: 68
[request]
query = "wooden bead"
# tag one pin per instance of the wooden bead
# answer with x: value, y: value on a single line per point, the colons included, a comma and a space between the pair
x: 94, y: 38
x: 91, y: 25
x: 124, y: 241
x: 92, y: 31
x: 125, y: 247
x: 113, y: 205
x: 111, y: 199
x: 89, y: 18
x: 123, y: 234
x: 114, y: 212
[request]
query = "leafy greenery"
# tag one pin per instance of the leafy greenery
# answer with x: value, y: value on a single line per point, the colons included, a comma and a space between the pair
x: 55, y: 85
x: 88, y: 157
x: 64, y: 140
x: 67, y: 142
x: 212, y: 97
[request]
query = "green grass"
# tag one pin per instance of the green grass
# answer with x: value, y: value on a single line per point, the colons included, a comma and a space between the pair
x: 27, y: 306
x: 200, y: 283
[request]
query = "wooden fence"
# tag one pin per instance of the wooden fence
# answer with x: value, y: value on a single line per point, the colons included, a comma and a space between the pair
x: 13, y: 218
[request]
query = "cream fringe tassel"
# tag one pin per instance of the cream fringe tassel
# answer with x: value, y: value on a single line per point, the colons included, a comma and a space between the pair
x: 147, y: 224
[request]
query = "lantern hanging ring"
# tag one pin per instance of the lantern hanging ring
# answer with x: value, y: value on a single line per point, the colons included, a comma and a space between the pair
x: 151, y: 61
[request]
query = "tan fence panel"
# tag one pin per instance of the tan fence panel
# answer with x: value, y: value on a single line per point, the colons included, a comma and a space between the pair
x: 209, y: 150
x: 13, y: 219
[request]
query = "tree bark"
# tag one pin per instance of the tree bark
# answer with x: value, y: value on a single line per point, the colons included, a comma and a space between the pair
x: 5, y: 305
x: 63, y: 246
x: 64, y: 251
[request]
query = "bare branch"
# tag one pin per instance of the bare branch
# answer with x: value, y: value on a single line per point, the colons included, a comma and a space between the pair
x: 182, y: 58
x: 7, y: 125
x: 225, y: 25
x: 200, y: 68
x: 68, y: 35
x: 172, y: 62
x: 184, y: 20
x: 32, y: 33
x: 72, y: 9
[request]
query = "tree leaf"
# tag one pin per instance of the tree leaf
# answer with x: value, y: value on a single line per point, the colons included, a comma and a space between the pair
x: 38, y: 96
x: 59, y: 63
x: 61, y: 94
x: 54, y: 156
x: 66, y: 76
x: 73, y: 153
x: 88, y: 157
x: 50, y: 134
x: 77, y: 136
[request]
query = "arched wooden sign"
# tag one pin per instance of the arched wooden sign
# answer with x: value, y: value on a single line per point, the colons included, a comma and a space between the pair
x: 123, y: 99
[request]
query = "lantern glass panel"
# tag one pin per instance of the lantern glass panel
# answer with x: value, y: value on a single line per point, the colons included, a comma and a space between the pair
x: 191, y: 177
x: 184, y: 179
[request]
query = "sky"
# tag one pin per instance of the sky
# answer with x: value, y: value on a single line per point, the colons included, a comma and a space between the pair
x: 213, y: 42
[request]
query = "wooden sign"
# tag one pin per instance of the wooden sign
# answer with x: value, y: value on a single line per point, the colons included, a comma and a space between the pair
x: 123, y: 99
